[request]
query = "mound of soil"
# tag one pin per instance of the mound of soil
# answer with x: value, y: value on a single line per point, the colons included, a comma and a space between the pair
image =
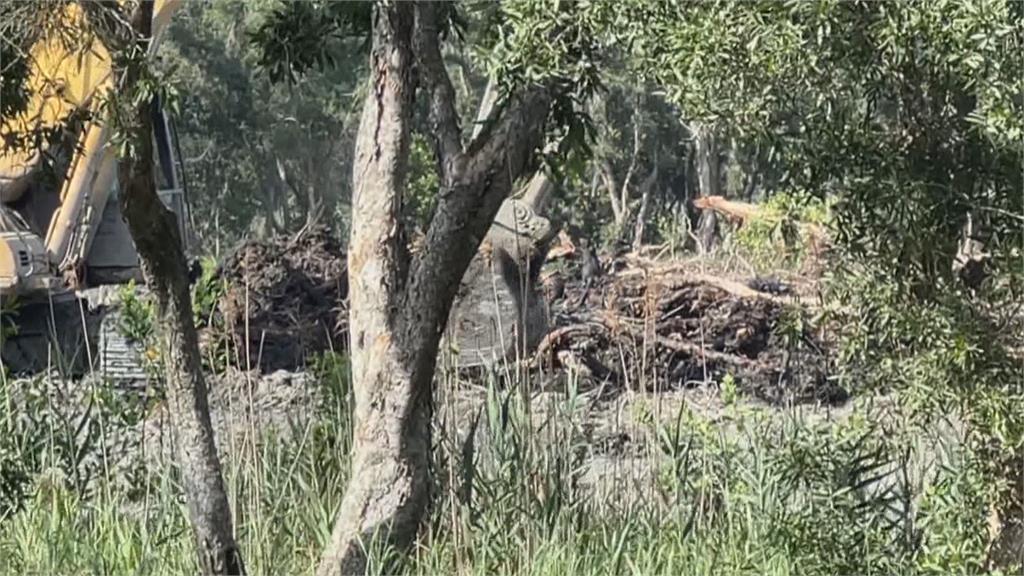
x: 285, y: 299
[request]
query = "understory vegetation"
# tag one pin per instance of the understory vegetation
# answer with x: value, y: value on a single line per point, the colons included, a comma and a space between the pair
x: 747, y: 491
x: 523, y: 483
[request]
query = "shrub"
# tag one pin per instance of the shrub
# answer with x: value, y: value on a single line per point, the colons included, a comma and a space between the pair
x: 783, y: 234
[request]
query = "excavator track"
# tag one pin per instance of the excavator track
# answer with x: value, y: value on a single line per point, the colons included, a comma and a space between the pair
x: 73, y: 334
x: 57, y: 334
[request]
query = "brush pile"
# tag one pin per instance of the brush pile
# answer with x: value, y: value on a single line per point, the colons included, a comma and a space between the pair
x: 643, y: 325
x: 667, y: 328
x: 285, y: 299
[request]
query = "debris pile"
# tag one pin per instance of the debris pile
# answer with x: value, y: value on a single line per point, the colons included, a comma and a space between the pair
x: 285, y: 298
x: 669, y: 328
x: 638, y: 325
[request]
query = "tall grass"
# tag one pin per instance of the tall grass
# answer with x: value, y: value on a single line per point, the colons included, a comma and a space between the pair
x: 521, y: 490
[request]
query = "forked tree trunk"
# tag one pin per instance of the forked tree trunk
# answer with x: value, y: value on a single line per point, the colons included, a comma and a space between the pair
x: 158, y: 242
x: 399, y: 304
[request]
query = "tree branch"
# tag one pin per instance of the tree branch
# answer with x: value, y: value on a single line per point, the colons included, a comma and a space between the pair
x: 522, y: 118
x: 466, y: 210
x: 109, y: 22
x: 444, y: 121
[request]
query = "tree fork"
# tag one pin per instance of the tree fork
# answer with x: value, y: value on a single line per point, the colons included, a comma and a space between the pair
x: 399, y: 305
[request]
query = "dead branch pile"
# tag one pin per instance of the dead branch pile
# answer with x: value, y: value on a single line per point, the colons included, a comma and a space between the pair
x: 641, y: 326
x: 668, y: 328
x: 285, y: 299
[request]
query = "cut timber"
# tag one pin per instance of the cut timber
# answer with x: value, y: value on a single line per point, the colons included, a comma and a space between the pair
x: 736, y: 212
x: 564, y: 248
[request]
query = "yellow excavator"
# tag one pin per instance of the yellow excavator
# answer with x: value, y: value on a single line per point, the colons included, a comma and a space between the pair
x: 61, y: 231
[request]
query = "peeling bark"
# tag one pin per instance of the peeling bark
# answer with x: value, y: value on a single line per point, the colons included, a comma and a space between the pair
x: 157, y: 239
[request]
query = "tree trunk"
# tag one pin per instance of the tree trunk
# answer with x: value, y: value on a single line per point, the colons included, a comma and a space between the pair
x: 157, y: 239
x: 622, y: 218
x: 602, y: 156
x: 708, y: 182
x: 752, y: 174
x: 387, y: 491
x: 645, y: 201
x: 612, y: 188
x: 400, y: 305
x: 537, y: 192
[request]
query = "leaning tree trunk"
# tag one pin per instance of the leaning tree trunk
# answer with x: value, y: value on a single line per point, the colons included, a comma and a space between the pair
x: 158, y: 241
x: 400, y: 304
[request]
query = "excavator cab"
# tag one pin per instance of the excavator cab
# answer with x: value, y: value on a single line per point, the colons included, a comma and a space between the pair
x: 62, y: 236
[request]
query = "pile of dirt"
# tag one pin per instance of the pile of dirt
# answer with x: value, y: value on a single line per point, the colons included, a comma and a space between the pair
x: 285, y: 299
x: 671, y: 328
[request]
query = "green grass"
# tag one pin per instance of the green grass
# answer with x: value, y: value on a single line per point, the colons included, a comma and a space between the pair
x: 753, y: 492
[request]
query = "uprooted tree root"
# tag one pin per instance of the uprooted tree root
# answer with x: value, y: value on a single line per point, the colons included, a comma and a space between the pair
x: 667, y: 328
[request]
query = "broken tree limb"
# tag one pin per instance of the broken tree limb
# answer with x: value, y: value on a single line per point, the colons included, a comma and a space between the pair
x: 735, y: 212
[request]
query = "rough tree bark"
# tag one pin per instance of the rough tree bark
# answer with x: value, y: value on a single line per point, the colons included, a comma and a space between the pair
x: 399, y: 303
x: 157, y: 239
x: 537, y: 192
